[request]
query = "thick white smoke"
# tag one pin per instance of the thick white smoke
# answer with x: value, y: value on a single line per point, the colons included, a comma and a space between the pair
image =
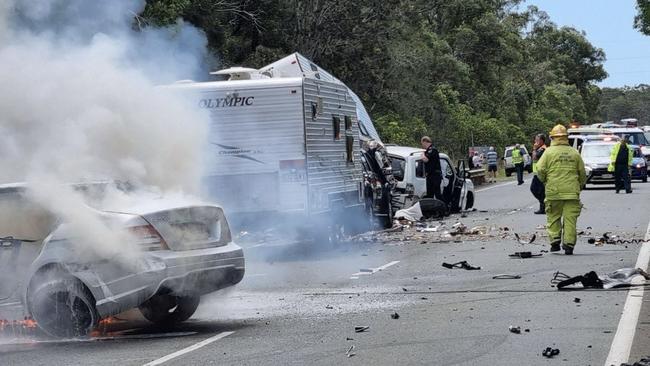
x: 78, y: 99
x: 79, y: 102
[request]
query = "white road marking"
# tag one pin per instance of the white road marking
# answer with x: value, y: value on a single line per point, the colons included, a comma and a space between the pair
x: 624, y: 337
x: 189, y: 349
x: 10, y: 304
x: 497, y: 186
x: 370, y: 271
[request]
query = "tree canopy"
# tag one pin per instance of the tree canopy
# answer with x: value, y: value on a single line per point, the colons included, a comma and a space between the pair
x: 482, y: 72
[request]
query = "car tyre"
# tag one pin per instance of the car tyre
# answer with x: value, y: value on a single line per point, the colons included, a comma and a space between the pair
x: 169, y: 309
x: 529, y: 169
x: 63, y: 307
x: 645, y: 179
x: 508, y: 173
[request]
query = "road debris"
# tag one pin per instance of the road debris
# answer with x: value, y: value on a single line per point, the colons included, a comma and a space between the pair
x: 524, y: 241
x: 349, y: 352
x: 361, y: 329
x: 461, y: 264
x: 394, y: 315
x: 523, y: 255
x: 645, y: 361
x: 550, y: 352
x: 619, y: 278
x: 513, y: 329
x: 576, y: 299
x: 607, y: 238
x: 506, y: 277
x: 428, y: 229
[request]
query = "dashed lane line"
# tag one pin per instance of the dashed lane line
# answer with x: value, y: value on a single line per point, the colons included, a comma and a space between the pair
x: 619, y: 352
x: 497, y: 186
x: 189, y: 349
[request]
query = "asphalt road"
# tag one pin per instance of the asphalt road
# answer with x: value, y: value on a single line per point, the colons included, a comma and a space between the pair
x: 300, y: 307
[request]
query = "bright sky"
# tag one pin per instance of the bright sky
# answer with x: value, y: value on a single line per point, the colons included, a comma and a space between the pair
x: 608, y: 24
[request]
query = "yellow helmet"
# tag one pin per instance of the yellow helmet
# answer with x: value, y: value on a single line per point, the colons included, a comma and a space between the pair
x: 558, y: 131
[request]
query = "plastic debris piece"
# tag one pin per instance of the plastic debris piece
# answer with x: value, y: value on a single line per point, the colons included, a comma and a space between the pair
x: 523, y: 255
x: 506, y: 276
x: 550, y: 352
x: 513, y: 329
x: 349, y: 352
x: 524, y: 241
x: 394, y: 315
x: 361, y: 328
x: 461, y: 264
x: 576, y: 299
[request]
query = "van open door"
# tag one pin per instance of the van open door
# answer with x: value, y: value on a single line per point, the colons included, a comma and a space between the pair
x: 459, y: 193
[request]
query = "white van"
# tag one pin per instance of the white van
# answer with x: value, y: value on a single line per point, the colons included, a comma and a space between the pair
x: 408, y: 170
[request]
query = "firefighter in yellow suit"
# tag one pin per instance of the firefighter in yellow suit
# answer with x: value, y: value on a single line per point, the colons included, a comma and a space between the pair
x: 562, y: 171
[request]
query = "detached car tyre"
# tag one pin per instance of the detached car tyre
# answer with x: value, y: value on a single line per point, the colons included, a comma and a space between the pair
x: 63, y: 308
x: 169, y: 309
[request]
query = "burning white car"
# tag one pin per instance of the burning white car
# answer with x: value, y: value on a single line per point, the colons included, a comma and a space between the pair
x: 157, y: 254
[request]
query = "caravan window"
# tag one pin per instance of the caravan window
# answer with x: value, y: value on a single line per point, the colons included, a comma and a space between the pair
x: 314, y: 110
x: 349, y: 148
x: 363, y: 129
x: 348, y: 123
x: 336, y: 125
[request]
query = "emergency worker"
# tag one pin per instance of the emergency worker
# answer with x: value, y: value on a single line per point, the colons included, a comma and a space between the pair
x: 562, y: 172
x: 518, y: 162
x: 620, y: 161
x: 536, y: 186
x: 432, y: 168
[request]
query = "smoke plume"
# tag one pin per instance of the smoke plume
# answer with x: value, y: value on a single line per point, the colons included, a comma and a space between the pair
x: 79, y: 102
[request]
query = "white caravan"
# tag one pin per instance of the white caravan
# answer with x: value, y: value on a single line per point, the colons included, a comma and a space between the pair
x: 281, y: 143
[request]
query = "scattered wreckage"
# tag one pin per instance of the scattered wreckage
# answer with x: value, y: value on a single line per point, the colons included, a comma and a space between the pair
x: 172, y: 252
x: 623, y: 277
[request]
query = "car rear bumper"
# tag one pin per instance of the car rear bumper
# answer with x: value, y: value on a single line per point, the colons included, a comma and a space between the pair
x: 196, y: 272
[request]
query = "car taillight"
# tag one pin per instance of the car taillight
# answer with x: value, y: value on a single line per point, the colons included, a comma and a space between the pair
x: 148, y: 238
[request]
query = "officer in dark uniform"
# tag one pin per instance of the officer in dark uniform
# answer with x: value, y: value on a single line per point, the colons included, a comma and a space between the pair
x: 431, y: 159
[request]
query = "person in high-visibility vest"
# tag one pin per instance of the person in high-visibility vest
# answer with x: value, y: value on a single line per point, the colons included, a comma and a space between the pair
x: 518, y: 162
x: 536, y: 186
x: 620, y: 161
x: 562, y: 172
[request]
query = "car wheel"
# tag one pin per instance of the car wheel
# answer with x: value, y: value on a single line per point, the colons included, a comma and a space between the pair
x: 529, y: 169
x: 169, y: 309
x: 508, y: 173
x: 644, y: 179
x: 63, y: 307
